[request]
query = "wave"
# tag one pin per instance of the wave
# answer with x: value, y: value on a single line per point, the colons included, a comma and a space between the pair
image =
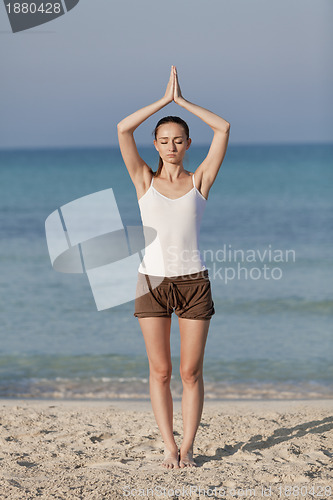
x: 275, y: 305
x: 121, y: 376
x: 103, y: 389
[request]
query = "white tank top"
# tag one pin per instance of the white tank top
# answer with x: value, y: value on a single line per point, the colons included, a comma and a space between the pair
x: 175, y: 250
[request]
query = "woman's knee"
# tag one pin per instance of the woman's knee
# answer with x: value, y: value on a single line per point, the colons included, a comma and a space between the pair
x: 161, y: 374
x: 190, y: 375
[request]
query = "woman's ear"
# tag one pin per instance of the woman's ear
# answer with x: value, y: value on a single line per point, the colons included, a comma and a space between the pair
x: 189, y: 141
x: 155, y: 144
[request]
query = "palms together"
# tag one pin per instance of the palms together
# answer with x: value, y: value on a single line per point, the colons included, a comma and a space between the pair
x: 173, y: 92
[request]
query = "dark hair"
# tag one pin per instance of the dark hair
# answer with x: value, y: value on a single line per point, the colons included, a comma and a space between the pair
x: 169, y: 119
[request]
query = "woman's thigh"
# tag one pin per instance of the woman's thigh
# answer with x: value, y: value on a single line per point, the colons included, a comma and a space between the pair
x: 193, y: 336
x: 156, y: 334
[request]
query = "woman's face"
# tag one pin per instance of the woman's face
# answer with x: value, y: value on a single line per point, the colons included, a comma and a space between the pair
x: 171, y: 142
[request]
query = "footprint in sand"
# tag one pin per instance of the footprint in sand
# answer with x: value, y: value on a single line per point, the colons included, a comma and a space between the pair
x: 123, y: 463
x: 23, y: 463
x: 100, y: 437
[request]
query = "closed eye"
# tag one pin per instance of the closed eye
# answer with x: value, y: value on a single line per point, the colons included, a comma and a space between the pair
x: 177, y: 142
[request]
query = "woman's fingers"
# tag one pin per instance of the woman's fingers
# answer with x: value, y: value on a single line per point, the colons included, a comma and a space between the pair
x: 177, y: 91
x: 172, y: 77
x: 170, y: 87
x: 175, y: 75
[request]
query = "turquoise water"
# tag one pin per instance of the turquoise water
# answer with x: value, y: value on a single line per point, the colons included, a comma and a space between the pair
x: 271, y: 336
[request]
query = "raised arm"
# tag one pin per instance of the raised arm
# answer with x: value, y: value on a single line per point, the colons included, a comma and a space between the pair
x: 210, y: 166
x: 136, y: 166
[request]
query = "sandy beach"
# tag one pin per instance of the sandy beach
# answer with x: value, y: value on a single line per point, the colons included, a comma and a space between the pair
x: 112, y: 450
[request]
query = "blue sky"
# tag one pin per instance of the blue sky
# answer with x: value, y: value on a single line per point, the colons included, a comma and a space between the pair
x: 266, y: 67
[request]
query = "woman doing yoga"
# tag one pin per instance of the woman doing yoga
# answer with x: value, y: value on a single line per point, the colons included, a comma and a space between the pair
x: 172, y: 276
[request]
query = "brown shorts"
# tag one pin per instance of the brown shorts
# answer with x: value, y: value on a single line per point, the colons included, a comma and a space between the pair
x: 189, y: 296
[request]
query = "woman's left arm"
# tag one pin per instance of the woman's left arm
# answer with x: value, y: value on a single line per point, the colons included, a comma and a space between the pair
x: 213, y: 161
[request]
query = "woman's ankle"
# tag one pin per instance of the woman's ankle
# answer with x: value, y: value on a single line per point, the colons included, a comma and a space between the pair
x: 171, y: 448
x: 186, y: 448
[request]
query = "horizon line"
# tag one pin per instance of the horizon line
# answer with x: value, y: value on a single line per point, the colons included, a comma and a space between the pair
x: 115, y: 146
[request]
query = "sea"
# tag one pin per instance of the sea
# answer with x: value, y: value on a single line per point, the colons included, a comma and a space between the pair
x: 266, y: 239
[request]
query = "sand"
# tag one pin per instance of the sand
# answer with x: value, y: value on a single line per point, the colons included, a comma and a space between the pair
x: 113, y: 450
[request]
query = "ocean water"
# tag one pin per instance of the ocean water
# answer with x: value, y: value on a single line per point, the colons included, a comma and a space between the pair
x: 266, y: 238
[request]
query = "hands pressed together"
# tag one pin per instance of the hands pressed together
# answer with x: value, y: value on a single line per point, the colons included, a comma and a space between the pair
x: 173, y: 92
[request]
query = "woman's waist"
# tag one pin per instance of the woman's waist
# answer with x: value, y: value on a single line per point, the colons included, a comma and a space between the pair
x: 199, y: 276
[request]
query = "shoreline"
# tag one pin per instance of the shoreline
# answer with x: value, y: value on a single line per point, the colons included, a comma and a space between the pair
x: 133, y: 404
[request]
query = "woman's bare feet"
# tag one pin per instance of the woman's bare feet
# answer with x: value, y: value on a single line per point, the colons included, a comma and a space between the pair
x: 186, y: 458
x: 171, y: 459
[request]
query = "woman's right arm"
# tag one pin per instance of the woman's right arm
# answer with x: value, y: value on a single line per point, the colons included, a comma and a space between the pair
x: 135, y: 165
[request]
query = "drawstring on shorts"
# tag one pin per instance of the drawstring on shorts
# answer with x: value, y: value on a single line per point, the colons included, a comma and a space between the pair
x: 172, y: 289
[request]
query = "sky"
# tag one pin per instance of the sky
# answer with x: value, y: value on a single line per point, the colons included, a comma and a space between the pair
x: 264, y: 66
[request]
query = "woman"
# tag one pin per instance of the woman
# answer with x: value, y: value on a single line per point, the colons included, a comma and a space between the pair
x: 172, y: 273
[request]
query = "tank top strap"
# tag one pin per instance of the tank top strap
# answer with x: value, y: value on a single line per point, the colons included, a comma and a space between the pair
x: 193, y: 180
x: 151, y: 181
